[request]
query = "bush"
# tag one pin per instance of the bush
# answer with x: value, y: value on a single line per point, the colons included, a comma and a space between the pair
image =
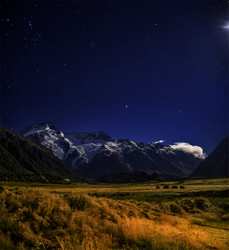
x: 202, y: 203
x: 175, y: 208
x: 78, y: 202
x: 225, y: 217
x: 195, y: 205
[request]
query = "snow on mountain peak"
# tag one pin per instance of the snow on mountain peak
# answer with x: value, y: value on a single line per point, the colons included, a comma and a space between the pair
x: 37, y: 127
x: 80, y: 149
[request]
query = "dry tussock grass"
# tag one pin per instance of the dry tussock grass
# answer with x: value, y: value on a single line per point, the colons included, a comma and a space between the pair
x: 38, y: 220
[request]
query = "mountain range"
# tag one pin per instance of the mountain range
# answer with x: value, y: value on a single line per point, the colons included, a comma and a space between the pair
x: 93, y: 154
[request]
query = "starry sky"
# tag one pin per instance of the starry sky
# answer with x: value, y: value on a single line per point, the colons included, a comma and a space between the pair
x: 143, y: 70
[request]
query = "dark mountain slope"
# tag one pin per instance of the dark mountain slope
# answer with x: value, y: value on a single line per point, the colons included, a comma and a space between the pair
x: 106, y: 163
x: 138, y: 176
x: 216, y: 164
x: 23, y: 159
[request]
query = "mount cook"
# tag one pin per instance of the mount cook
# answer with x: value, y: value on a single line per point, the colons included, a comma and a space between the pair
x: 96, y: 153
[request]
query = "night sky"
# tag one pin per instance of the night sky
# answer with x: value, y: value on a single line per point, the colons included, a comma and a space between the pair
x: 146, y: 71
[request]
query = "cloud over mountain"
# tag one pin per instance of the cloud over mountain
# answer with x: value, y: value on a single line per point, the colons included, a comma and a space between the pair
x: 188, y: 148
x: 160, y: 141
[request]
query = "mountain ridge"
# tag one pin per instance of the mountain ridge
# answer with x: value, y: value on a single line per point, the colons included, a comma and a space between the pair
x: 95, y: 153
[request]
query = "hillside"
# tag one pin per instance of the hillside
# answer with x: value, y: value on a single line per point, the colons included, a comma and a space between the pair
x: 25, y: 160
x: 217, y: 163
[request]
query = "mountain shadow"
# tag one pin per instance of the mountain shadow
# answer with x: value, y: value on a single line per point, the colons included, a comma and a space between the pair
x: 25, y: 160
x: 216, y: 164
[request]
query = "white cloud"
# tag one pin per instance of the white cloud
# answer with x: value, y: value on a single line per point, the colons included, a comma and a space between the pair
x: 186, y: 147
x: 160, y: 141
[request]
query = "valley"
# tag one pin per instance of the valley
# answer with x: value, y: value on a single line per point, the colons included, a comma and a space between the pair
x: 108, y: 216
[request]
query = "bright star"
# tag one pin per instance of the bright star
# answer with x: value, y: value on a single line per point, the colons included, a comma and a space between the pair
x: 226, y: 26
x: 126, y: 106
x: 30, y: 24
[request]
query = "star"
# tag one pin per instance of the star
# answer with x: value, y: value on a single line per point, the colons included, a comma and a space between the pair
x: 30, y: 24
x: 226, y: 26
x: 126, y: 106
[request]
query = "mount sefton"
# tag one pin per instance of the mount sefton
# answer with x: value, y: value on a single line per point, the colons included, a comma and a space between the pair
x: 95, y: 154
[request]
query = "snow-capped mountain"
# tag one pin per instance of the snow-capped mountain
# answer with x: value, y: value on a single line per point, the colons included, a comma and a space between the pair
x: 94, y: 154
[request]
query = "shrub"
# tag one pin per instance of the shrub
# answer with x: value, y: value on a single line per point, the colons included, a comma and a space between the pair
x: 202, y: 203
x: 225, y: 217
x: 78, y: 202
x: 195, y: 205
x: 176, y: 208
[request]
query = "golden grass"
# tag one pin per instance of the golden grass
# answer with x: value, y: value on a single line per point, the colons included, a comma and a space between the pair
x: 38, y: 219
x: 190, y: 186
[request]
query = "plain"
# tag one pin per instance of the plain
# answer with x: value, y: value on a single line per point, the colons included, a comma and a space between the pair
x: 181, y: 214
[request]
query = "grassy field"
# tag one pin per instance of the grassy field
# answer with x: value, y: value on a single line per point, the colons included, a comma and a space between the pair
x: 189, y: 214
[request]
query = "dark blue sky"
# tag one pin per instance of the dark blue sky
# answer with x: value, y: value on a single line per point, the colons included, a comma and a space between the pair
x: 141, y: 70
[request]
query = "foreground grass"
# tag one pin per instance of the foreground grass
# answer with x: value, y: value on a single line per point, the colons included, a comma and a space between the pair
x: 46, y: 217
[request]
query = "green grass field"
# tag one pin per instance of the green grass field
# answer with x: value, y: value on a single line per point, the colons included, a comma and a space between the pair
x: 183, y: 214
